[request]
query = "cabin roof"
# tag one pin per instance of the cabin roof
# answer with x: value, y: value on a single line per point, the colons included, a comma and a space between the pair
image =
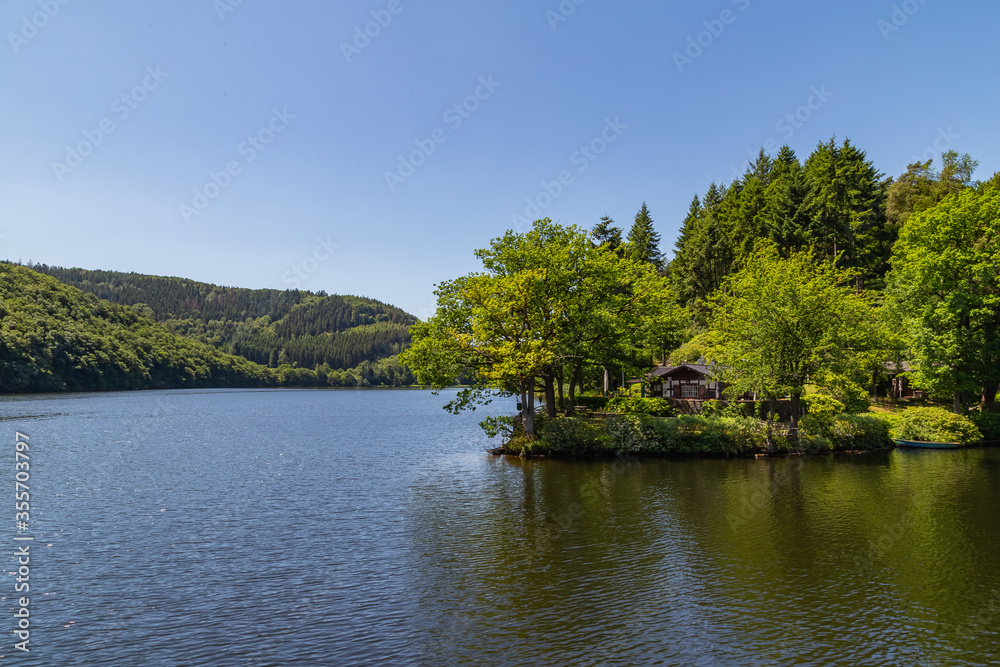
x: 666, y: 371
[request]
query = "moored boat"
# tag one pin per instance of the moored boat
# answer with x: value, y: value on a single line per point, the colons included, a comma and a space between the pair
x: 924, y: 444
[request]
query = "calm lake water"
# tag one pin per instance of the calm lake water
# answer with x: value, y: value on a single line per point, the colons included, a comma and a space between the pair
x: 339, y: 527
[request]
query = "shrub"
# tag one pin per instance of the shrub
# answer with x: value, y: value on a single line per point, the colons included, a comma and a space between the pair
x: 633, y: 434
x: 851, y: 395
x: 568, y: 436
x: 592, y: 402
x: 860, y: 432
x: 988, y: 424
x: 935, y: 425
x: 659, y: 407
x: 525, y: 445
x: 713, y: 408
x: 822, y: 411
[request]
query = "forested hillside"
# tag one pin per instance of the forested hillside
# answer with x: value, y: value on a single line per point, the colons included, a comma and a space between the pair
x: 269, y: 327
x: 54, y: 337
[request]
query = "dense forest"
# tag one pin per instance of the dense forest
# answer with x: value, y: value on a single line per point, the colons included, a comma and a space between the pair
x: 269, y: 327
x: 836, y: 202
x: 54, y: 338
x: 797, y: 280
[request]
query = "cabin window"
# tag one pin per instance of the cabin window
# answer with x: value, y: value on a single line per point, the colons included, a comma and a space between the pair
x: 689, y: 391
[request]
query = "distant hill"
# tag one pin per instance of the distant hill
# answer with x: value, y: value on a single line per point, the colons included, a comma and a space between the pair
x: 54, y: 337
x: 268, y: 327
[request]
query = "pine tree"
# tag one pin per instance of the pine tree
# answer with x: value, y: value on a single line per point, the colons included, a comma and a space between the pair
x: 606, y: 234
x: 643, y: 240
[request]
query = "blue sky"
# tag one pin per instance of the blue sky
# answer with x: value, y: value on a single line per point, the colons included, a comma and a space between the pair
x: 248, y: 143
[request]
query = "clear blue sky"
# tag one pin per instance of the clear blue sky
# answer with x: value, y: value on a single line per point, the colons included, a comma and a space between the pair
x: 200, y: 78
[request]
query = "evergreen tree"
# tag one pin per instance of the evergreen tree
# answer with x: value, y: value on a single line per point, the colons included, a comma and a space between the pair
x: 606, y: 234
x: 846, y: 208
x: 643, y: 240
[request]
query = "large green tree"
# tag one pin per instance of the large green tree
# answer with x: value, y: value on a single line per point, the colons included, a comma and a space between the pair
x: 945, y: 292
x: 779, y: 321
x: 547, y: 299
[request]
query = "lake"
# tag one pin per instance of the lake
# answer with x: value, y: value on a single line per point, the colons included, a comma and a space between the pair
x: 362, y: 527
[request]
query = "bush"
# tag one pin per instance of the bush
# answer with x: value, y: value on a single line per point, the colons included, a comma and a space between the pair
x: 935, y: 425
x: 988, y: 424
x: 688, y: 434
x: 525, y: 445
x: 849, y: 393
x: 592, y: 402
x: 860, y: 432
x: 659, y: 407
x: 822, y: 411
x: 633, y: 434
x: 568, y: 436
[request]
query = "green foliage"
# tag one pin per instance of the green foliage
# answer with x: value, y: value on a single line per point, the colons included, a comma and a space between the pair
x: 643, y: 434
x: 643, y: 242
x: 844, y: 431
x: 843, y: 388
x: 658, y: 407
x: 593, y: 402
x: 868, y: 432
x: 781, y: 320
x: 691, y: 352
x: 633, y: 434
x: 498, y: 427
x: 945, y: 292
x: 268, y: 327
x: 823, y: 410
x: 546, y: 299
x: 935, y: 425
x: 988, y: 424
x: 567, y: 436
x: 57, y: 338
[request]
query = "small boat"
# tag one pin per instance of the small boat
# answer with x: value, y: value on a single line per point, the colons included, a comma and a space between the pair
x: 924, y: 444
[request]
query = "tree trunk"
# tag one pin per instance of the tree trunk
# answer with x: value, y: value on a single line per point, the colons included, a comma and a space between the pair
x: 874, y: 386
x: 528, y: 406
x: 959, y: 400
x: 796, y: 396
x: 989, y: 398
x: 550, y: 394
x: 772, y: 405
x: 607, y: 381
x: 572, y: 387
x: 562, y: 403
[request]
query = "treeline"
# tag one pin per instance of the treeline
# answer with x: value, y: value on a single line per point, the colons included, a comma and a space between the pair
x: 346, y: 349
x: 836, y: 203
x: 57, y: 338
x: 268, y: 327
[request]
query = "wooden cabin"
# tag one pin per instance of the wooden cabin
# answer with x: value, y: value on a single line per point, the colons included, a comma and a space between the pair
x: 687, y: 381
